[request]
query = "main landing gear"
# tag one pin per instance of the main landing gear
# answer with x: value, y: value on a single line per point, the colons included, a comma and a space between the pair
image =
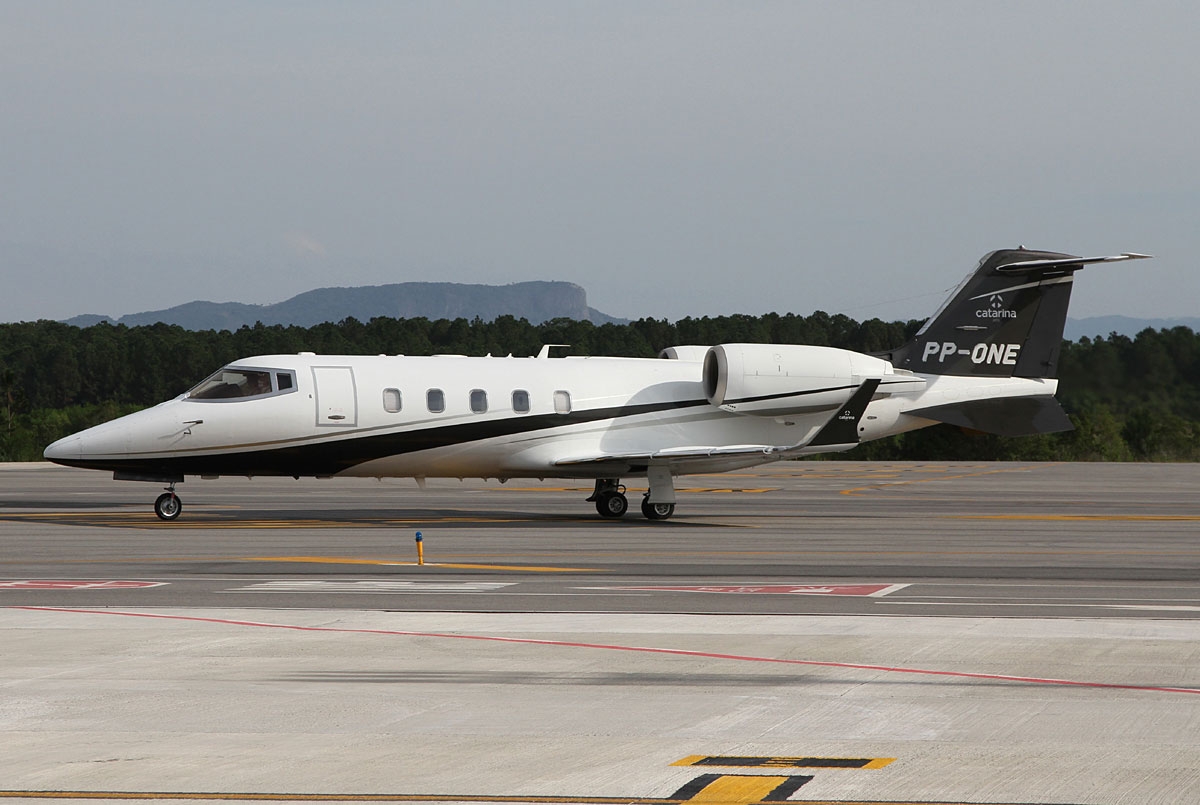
x: 609, y: 497
x: 611, y: 503
x: 168, y: 505
x: 656, y: 511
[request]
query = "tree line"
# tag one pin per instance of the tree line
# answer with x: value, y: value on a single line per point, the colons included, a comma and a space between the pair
x: 1129, y: 398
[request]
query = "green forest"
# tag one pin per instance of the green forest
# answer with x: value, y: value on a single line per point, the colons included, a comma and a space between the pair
x: 1130, y: 399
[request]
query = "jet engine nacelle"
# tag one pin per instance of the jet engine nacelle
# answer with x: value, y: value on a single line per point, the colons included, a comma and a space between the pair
x: 781, y: 379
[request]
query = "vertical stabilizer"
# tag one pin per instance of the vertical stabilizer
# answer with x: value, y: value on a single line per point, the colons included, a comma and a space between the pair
x: 1006, y: 319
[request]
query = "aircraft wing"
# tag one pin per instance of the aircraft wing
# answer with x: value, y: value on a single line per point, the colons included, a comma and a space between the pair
x: 839, y: 433
x: 670, y: 455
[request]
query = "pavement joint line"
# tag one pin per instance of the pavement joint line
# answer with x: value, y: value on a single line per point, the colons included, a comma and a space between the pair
x: 888, y: 669
x: 221, y: 796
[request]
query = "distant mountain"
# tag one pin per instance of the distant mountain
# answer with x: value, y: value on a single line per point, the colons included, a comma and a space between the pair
x: 535, y: 301
x: 1122, y: 325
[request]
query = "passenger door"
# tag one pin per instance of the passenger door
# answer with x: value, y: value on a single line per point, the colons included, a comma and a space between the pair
x: 337, y: 404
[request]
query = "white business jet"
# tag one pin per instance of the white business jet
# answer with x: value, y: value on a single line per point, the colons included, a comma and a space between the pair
x: 985, y: 361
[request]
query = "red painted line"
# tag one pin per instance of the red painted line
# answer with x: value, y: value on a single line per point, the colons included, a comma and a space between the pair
x: 873, y: 590
x: 68, y: 584
x: 1030, y: 680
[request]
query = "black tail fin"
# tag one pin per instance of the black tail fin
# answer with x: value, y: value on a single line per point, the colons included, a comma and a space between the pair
x: 1006, y: 319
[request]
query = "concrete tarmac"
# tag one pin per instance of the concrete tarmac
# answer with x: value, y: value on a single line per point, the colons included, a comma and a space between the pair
x: 817, y: 631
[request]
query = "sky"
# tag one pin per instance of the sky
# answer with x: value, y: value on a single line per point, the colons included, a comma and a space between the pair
x: 673, y: 158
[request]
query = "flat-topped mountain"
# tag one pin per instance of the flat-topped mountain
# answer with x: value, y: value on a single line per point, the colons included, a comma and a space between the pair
x: 535, y: 301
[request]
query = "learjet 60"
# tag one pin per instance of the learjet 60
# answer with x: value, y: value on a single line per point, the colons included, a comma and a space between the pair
x: 986, y: 361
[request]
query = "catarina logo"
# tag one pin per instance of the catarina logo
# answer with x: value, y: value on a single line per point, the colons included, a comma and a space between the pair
x: 995, y: 309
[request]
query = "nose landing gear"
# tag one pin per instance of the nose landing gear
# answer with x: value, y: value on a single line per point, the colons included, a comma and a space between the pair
x: 168, y: 505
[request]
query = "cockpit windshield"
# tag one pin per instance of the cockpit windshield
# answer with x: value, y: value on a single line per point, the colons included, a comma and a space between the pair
x: 232, y: 382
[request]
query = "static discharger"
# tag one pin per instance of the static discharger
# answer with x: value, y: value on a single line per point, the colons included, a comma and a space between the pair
x: 420, y: 549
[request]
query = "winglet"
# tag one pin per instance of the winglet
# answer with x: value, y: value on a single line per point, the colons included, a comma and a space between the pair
x: 842, y: 428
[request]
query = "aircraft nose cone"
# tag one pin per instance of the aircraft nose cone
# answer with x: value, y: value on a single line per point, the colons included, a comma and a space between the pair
x: 64, y: 449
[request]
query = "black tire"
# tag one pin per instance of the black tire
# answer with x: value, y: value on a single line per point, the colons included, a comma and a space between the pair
x: 657, y: 511
x: 168, y: 506
x: 611, y: 504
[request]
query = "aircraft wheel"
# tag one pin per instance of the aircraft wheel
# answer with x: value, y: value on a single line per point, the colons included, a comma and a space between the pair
x: 168, y: 506
x: 611, y: 504
x: 657, y: 511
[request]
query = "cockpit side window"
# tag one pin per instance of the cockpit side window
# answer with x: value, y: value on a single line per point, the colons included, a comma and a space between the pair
x: 236, y: 383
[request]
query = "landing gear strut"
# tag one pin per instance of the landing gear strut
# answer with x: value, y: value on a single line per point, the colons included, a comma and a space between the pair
x: 168, y: 505
x: 659, y: 500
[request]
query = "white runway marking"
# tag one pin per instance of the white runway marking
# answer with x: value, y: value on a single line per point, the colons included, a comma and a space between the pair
x: 1044, y: 604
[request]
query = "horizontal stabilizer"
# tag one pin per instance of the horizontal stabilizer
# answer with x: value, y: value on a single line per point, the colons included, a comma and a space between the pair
x: 1022, y: 266
x: 1012, y: 416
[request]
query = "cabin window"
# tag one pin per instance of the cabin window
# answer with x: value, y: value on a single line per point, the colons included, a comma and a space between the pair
x: 435, y: 400
x: 478, y: 401
x: 562, y: 402
x: 391, y: 401
x: 283, y: 380
x: 520, y: 401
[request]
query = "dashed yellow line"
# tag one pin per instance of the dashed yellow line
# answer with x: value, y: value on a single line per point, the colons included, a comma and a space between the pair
x: 960, y: 476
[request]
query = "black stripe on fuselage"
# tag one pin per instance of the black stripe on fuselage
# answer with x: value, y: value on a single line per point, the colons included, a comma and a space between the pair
x: 334, y: 456
x: 785, y: 394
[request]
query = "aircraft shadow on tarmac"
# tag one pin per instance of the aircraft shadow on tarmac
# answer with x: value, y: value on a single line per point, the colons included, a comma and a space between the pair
x: 122, y: 516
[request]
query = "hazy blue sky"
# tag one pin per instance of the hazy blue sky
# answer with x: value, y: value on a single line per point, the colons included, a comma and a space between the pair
x: 672, y: 158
